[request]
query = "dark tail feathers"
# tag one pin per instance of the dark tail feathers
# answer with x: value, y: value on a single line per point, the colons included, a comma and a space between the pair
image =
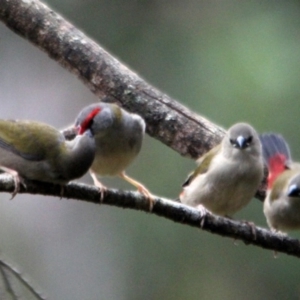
x: 273, y: 144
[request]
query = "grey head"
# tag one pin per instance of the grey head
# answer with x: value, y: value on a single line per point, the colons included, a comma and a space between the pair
x: 97, y: 117
x: 241, y: 138
x: 114, y: 129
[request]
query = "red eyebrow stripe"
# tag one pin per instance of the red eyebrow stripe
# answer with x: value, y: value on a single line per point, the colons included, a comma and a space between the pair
x: 87, y: 121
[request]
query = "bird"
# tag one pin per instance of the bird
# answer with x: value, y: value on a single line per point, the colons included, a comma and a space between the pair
x: 37, y: 151
x: 228, y: 175
x: 282, y: 203
x: 118, y: 135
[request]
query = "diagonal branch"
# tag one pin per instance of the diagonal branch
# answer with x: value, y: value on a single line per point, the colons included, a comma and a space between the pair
x: 168, y: 209
x: 167, y: 120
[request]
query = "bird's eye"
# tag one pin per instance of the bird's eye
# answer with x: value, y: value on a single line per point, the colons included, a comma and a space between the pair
x: 233, y: 143
x: 249, y: 140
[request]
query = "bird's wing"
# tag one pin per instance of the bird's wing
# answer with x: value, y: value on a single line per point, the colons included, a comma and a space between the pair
x: 203, y: 165
x: 27, y: 139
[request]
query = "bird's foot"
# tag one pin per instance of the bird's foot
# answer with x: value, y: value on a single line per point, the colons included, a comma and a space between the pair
x: 252, y: 228
x: 281, y: 234
x: 17, y: 180
x: 102, y: 190
x: 99, y: 185
x: 140, y: 187
x: 203, y: 213
x: 143, y: 190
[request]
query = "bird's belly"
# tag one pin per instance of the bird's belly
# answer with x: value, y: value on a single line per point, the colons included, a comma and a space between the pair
x: 111, y: 164
x: 283, y: 215
x: 221, y: 193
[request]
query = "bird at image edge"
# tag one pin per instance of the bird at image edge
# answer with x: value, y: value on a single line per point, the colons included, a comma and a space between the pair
x: 37, y: 151
x: 282, y: 203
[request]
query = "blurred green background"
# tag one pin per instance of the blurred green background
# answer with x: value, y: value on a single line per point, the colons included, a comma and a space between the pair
x: 227, y: 60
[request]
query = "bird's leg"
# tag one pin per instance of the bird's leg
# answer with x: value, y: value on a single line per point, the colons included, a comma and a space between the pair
x: 17, y: 180
x: 141, y: 188
x: 281, y: 234
x: 98, y: 184
x: 252, y: 228
x: 203, y: 212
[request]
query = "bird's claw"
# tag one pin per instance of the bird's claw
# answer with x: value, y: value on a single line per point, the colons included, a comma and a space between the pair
x: 203, y: 212
x: 148, y: 195
x: 252, y: 228
x: 102, y: 190
x: 17, y: 183
x: 99, y: 185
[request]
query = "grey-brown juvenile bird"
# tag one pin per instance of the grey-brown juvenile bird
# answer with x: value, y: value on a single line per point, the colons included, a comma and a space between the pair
x: 228, y: 175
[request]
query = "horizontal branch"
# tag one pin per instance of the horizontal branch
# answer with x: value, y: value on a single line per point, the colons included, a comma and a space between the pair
x: 168, y: 209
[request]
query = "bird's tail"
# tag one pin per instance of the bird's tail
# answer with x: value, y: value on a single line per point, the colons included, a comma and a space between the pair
x: 276, y: 154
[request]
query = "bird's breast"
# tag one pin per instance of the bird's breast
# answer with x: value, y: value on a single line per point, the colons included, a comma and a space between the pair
x: 111, y: 164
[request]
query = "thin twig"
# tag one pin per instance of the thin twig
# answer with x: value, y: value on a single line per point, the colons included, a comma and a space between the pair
x: 21, y: 278
x: 7, y: 283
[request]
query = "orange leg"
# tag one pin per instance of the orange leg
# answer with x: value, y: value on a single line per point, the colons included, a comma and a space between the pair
x: 141, y: 188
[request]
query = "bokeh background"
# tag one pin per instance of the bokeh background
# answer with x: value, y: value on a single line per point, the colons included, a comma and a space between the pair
x: 227, y: 60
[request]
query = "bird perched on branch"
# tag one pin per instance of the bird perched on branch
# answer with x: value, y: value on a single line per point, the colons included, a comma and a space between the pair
x: 282, y: 203
x: 228, y: 175
x: 37, y: 151
x: 119, y: 135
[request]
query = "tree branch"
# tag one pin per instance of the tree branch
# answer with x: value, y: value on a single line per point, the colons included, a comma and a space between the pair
x: 167, y: 120
x: 168, y: 209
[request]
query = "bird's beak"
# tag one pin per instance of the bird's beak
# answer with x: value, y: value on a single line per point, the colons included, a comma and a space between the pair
x: 294, y: 191
x: 241, y: 141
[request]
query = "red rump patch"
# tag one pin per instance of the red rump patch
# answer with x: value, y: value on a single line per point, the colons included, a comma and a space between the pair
x: 277, y: 164
x: 87, y: 121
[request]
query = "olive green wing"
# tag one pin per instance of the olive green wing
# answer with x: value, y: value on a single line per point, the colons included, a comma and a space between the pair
x: 30, y: 140
x: 203, y: 164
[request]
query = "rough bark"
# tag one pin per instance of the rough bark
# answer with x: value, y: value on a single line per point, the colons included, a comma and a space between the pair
x: 167, y: 120
x: 168, y: 209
